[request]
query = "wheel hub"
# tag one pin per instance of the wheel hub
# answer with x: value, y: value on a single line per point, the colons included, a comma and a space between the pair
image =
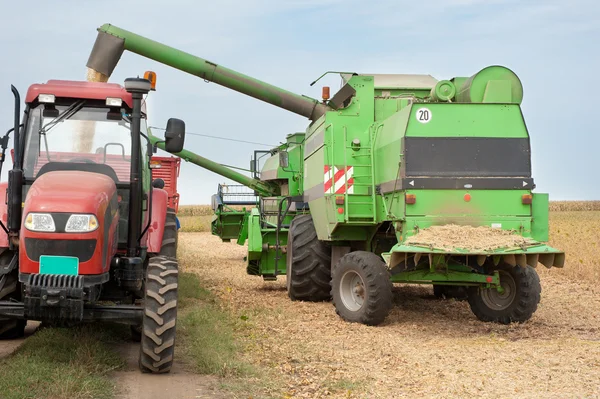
x: 352, y: 290
x: 500, y: 299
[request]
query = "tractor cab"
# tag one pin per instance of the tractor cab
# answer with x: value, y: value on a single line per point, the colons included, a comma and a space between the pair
x: 90, y: 134
x: 83, y: 223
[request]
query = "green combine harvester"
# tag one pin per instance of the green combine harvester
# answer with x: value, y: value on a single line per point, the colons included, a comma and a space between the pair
x: 387, y: 166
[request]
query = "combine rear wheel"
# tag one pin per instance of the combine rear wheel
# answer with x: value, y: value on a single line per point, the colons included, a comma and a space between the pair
x: 361, y: 288
x: 308, y: 262
x: 516, y: 303
x: 10, y: 289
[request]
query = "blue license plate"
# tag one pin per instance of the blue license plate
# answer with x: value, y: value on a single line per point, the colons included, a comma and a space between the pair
x: 59, y: 265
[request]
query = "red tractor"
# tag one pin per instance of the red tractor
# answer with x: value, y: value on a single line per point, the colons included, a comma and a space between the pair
x: 87, y: 234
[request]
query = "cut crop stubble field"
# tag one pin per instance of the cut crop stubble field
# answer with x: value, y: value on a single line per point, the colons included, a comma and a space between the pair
x: 426, y: 347
x: 240, y: 337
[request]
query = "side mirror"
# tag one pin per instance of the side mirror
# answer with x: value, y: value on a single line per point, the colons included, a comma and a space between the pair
x: 252, y: 165
x: 284, y: 159
x: 174, y: 135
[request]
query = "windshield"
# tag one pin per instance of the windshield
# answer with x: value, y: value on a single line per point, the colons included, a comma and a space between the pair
x: 79, y: 134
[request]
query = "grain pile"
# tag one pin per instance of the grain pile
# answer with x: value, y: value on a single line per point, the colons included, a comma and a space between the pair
x: 482, y: 238
x: 85, y: 131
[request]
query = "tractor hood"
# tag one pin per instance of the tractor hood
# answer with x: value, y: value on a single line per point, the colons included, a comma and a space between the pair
x: 70, y: 191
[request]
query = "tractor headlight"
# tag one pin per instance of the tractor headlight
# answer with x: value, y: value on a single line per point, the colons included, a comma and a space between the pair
x: 40, y: 222
x: 81, y: 224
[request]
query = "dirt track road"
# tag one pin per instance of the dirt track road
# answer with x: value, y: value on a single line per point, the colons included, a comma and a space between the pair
x: 9, y: 346
x: 426, y: 347
x: 177, y: 384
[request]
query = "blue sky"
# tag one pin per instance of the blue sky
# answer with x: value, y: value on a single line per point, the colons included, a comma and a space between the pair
x: 552, y: 45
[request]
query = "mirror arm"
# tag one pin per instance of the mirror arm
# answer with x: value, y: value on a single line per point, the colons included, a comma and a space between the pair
x: 155, y: 146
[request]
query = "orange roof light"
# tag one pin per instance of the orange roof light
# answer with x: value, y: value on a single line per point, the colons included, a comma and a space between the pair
x: 151, y: 76
x: 325, y: 93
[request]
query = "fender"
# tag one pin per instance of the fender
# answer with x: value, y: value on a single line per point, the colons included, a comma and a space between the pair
x: 157, y: 227
x: 3, y: 214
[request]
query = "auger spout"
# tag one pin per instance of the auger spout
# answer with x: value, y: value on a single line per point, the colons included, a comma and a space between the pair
x: 113, y: 41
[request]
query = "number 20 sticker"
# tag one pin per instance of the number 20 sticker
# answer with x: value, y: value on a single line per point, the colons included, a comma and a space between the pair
x: 423, y: 115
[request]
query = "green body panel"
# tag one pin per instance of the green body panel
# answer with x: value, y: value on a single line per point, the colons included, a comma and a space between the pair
x: 268, y: 265
x: 539, y: 217
x: 451, y: 203
x: 469, y: 120
x: 255, y: 241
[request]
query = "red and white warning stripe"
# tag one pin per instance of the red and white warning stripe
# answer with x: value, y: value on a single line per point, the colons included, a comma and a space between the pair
x: 335, y: 180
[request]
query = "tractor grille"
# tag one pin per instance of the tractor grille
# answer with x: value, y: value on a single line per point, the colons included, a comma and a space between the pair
x: 55, y: 281
x: 81, y: 249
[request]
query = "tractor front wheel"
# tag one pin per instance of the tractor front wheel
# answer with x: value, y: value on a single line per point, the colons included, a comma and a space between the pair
x: 361, y: 288
x: 10, y: 289
x: 160, y: 316
x: 521, y: 291
x: 308, y: 262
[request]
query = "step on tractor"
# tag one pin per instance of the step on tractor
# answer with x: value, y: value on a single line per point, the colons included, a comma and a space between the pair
x: 88, y: 235
x: 340, y: 208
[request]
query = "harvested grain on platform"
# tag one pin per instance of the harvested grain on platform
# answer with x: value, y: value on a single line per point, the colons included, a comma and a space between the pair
x: 84, y: 135
x: 481, y: 238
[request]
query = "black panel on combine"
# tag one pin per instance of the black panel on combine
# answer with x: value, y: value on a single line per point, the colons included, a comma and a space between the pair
x: 467, y: 157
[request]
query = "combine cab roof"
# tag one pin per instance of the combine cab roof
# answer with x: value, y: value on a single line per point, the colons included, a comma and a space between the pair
x: 79, y: 89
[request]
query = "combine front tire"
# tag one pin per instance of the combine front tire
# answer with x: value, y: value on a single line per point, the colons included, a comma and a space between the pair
x: 516, y: 303
x: 308, y: 263
x: 160, y: 316
x: 361, y: 288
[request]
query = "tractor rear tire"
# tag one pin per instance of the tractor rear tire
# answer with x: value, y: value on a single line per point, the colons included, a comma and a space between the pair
x: 522, y: 291
x: 10, y: 289
x: 308, y: 262
x: 361, y: 288
x: 160, y: 316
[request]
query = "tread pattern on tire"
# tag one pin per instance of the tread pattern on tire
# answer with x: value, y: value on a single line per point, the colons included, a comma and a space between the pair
x: 376, y: 278
x: 310, y: 277
x: 160, y: 315
x: 169, y: 241
x: 525, y: 304
x: 160, y: 304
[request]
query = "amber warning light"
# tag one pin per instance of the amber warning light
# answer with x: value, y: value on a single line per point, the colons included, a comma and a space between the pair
x: 151, y: 76
x: 325, y: 93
